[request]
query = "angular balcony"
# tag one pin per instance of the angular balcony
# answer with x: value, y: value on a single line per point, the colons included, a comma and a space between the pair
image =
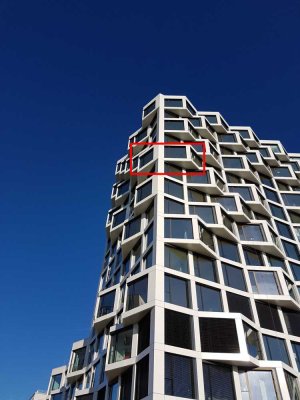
x: 216, y: 120
x: 261, y: 237
x: 180, y: 106
x: 210, y: 183
x: 131, y: 234
x: 233, y: 141
x: 272, y: 286
x: 240, y: 166
x: 258, y: 162
x: 229, y: 338
x: 184, y: 156
x: 248, y: 135
x: 269, y: 156
x: 120, y: 352
x: 77, y: 361
x: 252, y: 196
x: 277, y: 149
x: 285, y: 174
x: 105, y: 309
x: 182, y: 129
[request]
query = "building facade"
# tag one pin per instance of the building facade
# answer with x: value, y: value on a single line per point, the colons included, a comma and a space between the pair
x: 198, y: 293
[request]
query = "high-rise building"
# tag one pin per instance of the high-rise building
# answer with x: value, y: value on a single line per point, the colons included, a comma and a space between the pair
x: 198, y: 293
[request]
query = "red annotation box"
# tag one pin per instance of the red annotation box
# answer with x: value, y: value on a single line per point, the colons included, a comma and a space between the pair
x: 170, y: 173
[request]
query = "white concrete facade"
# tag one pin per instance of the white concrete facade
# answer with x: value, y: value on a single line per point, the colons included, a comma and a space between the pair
x: 198, y: 296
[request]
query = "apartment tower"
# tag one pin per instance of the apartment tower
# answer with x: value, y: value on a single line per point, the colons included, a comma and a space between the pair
x: 198, y: 294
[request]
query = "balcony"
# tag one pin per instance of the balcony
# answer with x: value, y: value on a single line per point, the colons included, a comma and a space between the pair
x: 77, y: 361
x: 240, y: 166
x: 248, y: 135
x: 105, y: 310
x: 212, y: 155
x: 184, y: 156
x: 180, y: 106
x: 252, y: 196
x: 233, y: 141
x: 210, y: 183
x: 216, y: 120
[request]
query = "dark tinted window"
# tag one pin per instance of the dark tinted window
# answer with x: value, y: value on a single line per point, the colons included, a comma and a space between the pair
x: 144, y: 333
x: 176, y: 259
x: 178, y: 228
x: 205, y: 268
x: 144, y: 191
x: 137, y: 293
x: 175, y: 151
x: 218, y: 382
x: 218, y: 335
x: 142, y: 374
x: 175, y: 335
x: 207, y: 213
x: 174, y: 125
x: 228, y: 250
x: 276, y: 349
x: 209, y: 299
x: 234, y: 277
x: 252, y: 257
x: 268, y: 316
x: 173, y: 188
x: 292, y: 320
x: 176, y: 291
x: 179, y: 376
x: 173, y: 207
x: 239, y: 304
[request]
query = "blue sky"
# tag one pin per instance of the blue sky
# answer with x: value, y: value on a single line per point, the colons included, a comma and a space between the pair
x: 74, y: 76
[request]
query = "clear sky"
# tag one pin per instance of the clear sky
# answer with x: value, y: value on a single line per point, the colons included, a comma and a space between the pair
x: 74, y: 76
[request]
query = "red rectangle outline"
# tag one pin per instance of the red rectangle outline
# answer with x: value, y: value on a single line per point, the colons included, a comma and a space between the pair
x: 200, y: 173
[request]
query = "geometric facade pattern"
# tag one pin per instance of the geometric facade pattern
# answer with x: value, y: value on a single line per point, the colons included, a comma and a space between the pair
x: 198, y: 294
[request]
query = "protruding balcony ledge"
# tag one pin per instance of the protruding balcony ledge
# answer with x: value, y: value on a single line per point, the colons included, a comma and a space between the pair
x: 100, y: 322
x: 114, y: 369
x: 239, y: 359
x: 134, y: 315
x: 279, y: 300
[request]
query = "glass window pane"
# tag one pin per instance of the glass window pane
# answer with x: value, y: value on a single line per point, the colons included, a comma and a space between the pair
x: 207, y: 213
x: 174, y: 334
x: 209, y: 299
x: 178, y: 228
x: 176, y: 259
x: 276, y: 349
x: 173, y: 207
x: 176, y: 291
x: 205, y: 268
x: 263, y: 282
x: 173, y: 188
x: 137, y: 293
x: 179, y: 376
x: 234, y: 277
x: 228, y: 250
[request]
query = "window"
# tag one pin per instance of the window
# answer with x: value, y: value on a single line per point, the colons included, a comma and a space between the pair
x: 206, y: 237
x: 227, y: 138
x: 276, y: 262
x: 173, y: 207
x: 198, y: 179
x: 264, y: 282
x: 284, y: 230
x: 174, y: 189
x: 149, y: 109
x: 253, y: 257
x: 205, y: 268
x: 58, y: 396
x: 296, y: 351
x: 175, y: 151
x: 149, y: 235
x: 212, y: 119
x: 173, y: 103
x: 178, y: 228
x: 277, y: 211
x: 123, y: 188
x: 291, y: 199
x: 296, y: 270
x: 233, y: 162
x: 264, y: 152
x: 207, y: 213
x: 218, y: 335
x: 106, y: 304
x: 120, y: 347
x: 78, y: 359
x: 148, y: 259
x: 257, y: 385
x: 174, y: 125
x: 195, y: 196
x: 292, y: 384
x: 281, y: 172
x: 291, y: 250
x: 119, y: 218
x: 146, y: 158
x: 126, y: 378
x: 244, y: 192
x: 176, y: 259
x: 252, y: 341
x: 137, y: 293
x: 142, y: 375
x: 144, y: 191
x: 209, y: 299
x: 173, y: 169
x: 218, y: 382
x: 232, y: 178
x: 55, y: 382
x: 239, y: 304
x: 276, y: 349
x: 251, y: 232
x: 132, y: 227
x: 227, y: 202
x: 292, y: 320
x: 174, y: 334
x: 234, y: 277
x: 266, y: 181
x: 295, y: 218
x: 179, y: 376
x: 176, y: 291
x: 271, y: 195
x: 144, y: 333
x: 228, y: 250
x: 268, y: 316
x: 252, y: 157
